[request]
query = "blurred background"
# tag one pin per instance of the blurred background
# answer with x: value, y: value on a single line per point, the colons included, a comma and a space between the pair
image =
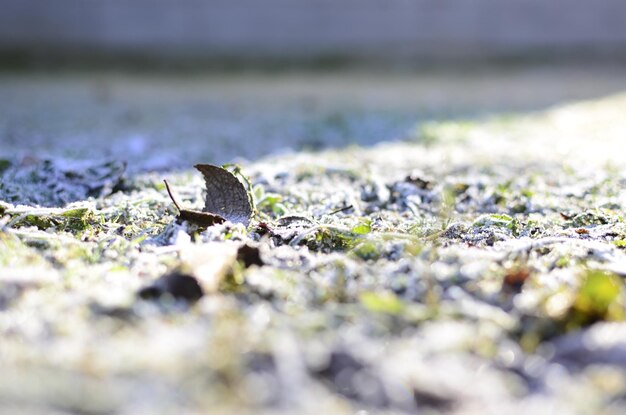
x: 312, y: 31
x: 166, y: 84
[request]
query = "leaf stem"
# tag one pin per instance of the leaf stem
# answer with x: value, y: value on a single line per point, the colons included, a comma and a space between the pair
x: 169, y: 192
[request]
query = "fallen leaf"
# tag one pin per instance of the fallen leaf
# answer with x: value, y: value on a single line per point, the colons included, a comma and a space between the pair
x: 226, y: 199
x: 225, y: 195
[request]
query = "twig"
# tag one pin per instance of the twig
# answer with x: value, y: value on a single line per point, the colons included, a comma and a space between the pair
x: 343, y: 209
x: 169, y: 192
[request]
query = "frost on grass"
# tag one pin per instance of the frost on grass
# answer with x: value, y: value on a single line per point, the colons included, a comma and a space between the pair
x: 447, y: 281
x: 55, y: 183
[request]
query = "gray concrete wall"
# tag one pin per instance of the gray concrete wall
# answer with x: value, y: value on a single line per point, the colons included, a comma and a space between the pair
x: 309, y: 28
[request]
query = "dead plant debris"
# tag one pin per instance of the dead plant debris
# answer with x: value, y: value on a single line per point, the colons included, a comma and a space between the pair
x: 226, y: 199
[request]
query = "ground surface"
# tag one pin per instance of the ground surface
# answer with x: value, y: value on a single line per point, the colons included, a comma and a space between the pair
x: 467, y: 267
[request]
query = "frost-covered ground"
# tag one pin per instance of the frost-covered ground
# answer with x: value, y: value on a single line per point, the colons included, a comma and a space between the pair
x: 467, y: 267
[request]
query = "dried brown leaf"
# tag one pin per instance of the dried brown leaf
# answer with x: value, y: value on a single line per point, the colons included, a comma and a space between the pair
x: 226, y: 199
x: 225, y: 195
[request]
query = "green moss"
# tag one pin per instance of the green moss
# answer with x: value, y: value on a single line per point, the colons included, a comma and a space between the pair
x: 499, y: 220
x: 598, y: 298
x: 73, y: 220
x: 363, y: 228
x: 382, y: 302
x: 589, y: 218
x: 367, y: 250
x: 620, y: 243
x: 78, y: 219
x: 329, y: 238
x: 41, y: 222
x: 563, y: 261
